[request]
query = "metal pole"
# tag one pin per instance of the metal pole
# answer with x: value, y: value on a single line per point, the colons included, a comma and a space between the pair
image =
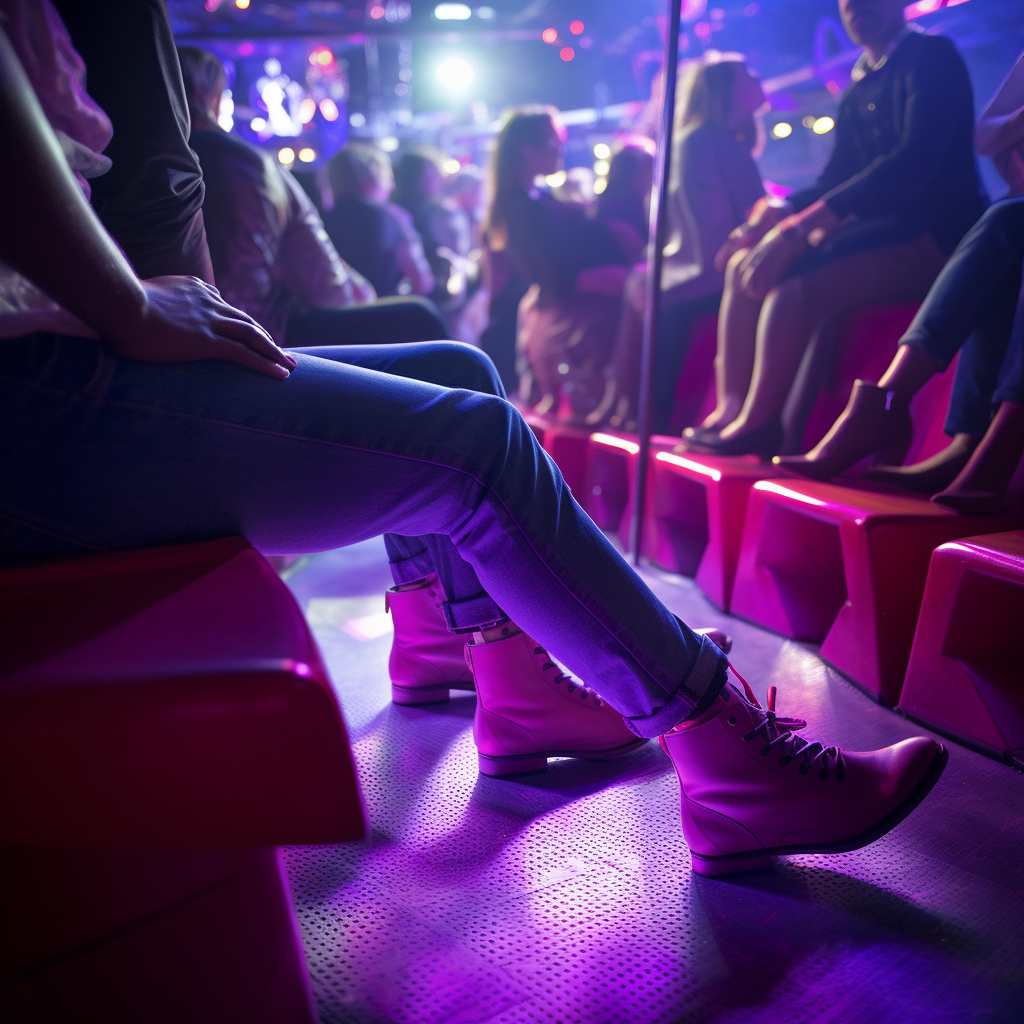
x: 652, y: 307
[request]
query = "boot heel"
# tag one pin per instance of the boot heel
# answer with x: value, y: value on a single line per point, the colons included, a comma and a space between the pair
x: 719, y: 867
x: 502, y: 767
x: 418, y: 694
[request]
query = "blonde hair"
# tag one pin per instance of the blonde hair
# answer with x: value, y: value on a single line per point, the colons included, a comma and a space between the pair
x: 708, y: 97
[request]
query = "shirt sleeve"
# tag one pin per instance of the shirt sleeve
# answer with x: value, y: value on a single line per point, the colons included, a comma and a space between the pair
x: 937, y: 90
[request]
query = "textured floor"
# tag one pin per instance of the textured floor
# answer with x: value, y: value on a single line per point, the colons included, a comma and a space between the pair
x: 567, y: 897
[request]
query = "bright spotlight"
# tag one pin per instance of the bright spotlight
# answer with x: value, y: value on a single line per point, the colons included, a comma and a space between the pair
x: 823, y: 125
x: 600, y: 185
x: 258, y: 124
x: 307, y: 155
x: 329, y: 109
x: 272, y: 66
x: 549, y: 35
x: 576, y: 27
x: 307, y: 108
x: 556, y: 180
x: 485, y: 12
x: 454, y: 73
x: 602, y: 151
x: 452, y: 12
x: 808, y: 121
x: 567, y: 53
x: 242, y: 5
x: 389, y: 143
x: 452, y: 166
x: 782, y: 130
x: 357, y: 120
x: 286, y: 155
x: 601, y: 168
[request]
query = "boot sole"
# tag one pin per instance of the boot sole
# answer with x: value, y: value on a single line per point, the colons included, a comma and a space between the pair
x: 760, y: 860
x: 506, y: 766
x: 406, y: 695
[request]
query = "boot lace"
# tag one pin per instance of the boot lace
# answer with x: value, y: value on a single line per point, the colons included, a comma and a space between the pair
x: 572, y: 685
x: 777, y: 733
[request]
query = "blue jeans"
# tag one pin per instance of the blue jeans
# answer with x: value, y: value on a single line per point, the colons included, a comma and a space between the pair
x: 972, y: 306
x: 104, y: 452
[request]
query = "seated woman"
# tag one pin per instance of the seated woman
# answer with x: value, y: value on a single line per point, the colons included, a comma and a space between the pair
x: 372, y: 235
x: 149, y: 395
x: 625, y: 203
x: 575, y: 267
x: 898, y: 193
x: 714, y: 185
x: 271, y: 255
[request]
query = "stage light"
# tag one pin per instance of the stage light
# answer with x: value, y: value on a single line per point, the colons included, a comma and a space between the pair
x: 389, y: 143
x: 225, y: 115
x: 576, y: 27
x: 242, y: 5
x: 833, y: 87
x: 377, y: 12
x: 357, y: 120
x: 567, y: 53
x: 556, y: 180
x: 452, y: 12
x: 600, y: 185
x: 823, y: 125
x: 808, y: 121
x: 324, y: 57
x: 307, y: 155
x: 286, y: 155
x: 549, y: 35
x: 212, y: 5
x: 601, y: 168
x: 258, y: 124
x: 602, y: 151
x: 329, y: 109
x: 782, y: 130
x: 272, y: 66
x: 307, y: 108
x: 452, y: 166
x: 485, y: 12
x: 454, y: 73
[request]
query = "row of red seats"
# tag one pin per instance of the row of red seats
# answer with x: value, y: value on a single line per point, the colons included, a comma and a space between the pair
x: 844, y: 564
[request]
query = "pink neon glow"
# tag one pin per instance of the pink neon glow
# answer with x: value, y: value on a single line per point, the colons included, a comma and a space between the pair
x: 922, y: 7
x: 786, y: 492
x: 616, y: 442
x: 694, y: 467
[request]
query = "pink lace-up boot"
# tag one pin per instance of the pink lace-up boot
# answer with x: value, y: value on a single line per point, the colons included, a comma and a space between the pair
x: 527, y: 710
x: 752, y: 790
x: 427, y: 659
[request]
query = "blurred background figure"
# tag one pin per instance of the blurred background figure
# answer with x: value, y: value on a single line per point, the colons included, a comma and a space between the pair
x: 575, y: 266
x: 373, y: 235
x: 625, y: 203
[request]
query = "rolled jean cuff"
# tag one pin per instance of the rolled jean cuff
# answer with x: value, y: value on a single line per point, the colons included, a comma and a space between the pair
x: 695, y: 695
x: 472, y: 613
x: 943, y: 354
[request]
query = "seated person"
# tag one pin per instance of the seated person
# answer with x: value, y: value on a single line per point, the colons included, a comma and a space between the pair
x: 271, y: 256
x: 714, y: 184
x: 575, y: 266
x: 156, y: 401
x: 625, y: 203
x: 898, y: 193
x: 372, y: 235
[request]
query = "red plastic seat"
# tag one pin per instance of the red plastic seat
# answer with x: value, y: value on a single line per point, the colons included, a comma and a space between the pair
x: 165, y: 723
x: 966, y: 671
x: 567, y: 446
x: 697, y: 506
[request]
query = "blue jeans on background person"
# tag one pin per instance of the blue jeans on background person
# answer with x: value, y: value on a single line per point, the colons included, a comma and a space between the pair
x: 972, y: 306
x: 104, y: 453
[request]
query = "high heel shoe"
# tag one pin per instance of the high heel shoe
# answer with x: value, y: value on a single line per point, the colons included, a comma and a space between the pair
x: 875, y: 421
x: 763, y: 441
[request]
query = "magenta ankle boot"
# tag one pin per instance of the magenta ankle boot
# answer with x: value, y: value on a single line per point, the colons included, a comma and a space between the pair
x: 427, y: 659
x: 527, y: 710
x: 752, y: 790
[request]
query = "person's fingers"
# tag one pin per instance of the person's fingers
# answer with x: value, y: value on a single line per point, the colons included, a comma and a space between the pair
x: 237, y: 352
x: 253, y: 337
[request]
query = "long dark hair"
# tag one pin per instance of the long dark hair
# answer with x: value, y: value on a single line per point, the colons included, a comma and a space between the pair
x: 525, y: 126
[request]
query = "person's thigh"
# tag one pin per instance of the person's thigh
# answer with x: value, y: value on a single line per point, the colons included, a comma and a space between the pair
x: 389, y: 321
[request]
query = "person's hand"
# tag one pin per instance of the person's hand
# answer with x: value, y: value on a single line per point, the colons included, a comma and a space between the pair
x: 764, y: 215
x: 766, y: 264
x: 184, y: 319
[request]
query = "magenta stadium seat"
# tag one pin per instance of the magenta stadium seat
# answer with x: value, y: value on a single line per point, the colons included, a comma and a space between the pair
x: 567, y: 446
x: 698, y: 504
x: 965, y: 677
x: 165, y: 723
x: 695, y: 397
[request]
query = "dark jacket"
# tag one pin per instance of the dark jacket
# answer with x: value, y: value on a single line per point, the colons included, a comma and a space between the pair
x: 904, y: 144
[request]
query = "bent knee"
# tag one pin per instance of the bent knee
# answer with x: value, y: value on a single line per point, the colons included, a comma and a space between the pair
x: 476, y: 368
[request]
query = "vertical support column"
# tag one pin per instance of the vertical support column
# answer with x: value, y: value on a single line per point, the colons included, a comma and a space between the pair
x: 652, y: 306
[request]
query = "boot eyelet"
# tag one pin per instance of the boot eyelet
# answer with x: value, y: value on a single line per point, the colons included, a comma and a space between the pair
x: 732, y: 719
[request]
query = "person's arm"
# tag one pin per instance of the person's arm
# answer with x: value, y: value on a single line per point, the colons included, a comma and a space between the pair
x: 1000, y: 131
x: 308, y: 264
x: 408, y: 252
x: 49, y: 233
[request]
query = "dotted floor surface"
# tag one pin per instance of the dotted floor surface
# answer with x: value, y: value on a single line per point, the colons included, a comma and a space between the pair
x: 568, y: 897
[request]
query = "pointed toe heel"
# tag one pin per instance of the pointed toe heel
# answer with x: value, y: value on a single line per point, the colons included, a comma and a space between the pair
x: 727, y: 867
x: 506, y: 767
x: 406, y: 695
